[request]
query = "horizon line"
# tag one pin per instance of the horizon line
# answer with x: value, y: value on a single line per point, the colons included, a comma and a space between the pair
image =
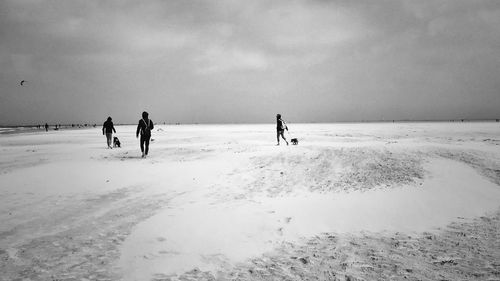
x: 250, y: 123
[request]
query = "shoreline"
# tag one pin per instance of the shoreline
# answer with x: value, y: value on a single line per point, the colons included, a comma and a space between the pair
x: 66, y: 126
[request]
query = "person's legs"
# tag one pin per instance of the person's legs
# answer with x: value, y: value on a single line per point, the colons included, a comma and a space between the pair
x: 147, y: 138
x: 278, y: 137
x: 108, y: 139
x: 282, y: 133
x: 143, y: 139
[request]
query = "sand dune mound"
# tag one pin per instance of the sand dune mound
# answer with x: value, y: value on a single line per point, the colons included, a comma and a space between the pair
x: 327, y: 170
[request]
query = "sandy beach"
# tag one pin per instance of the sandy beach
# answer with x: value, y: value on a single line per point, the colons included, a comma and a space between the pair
x: 352, y: 201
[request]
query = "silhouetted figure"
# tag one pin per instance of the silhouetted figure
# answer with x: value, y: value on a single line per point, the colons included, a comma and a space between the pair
x: 108, y: 129
x: 46, y: 127
x: 498, y: 120
x: 144, y: 127
x: 280, y: 129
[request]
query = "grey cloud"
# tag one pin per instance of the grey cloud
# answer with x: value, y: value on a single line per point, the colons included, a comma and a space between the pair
x: 239, y: 61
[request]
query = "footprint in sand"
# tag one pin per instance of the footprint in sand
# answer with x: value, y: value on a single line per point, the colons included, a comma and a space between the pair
x: 165, y: 252
x: 161, y: 277
x: 148, y: 256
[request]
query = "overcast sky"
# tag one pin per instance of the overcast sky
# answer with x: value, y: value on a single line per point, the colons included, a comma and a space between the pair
x: 244, y: 61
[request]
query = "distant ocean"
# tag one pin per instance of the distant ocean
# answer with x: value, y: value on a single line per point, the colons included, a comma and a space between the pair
x: 17, y: 129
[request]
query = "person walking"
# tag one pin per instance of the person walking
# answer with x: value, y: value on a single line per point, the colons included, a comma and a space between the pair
x: 280, y: 129
x: 46, y: 127
x: 108, y: 129
x: 144, y: 128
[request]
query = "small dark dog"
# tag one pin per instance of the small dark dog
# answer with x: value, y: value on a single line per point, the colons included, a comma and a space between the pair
x: 294, y: 141
x: 116, y: 142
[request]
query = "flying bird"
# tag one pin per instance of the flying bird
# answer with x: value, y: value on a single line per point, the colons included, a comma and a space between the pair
x: 22, y: 82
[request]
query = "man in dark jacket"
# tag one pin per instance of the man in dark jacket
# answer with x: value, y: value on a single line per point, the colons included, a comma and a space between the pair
x: 108, y: 129
x: 144, y: 127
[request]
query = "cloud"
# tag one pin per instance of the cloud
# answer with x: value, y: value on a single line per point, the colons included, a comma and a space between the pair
x: 327, y: 60
x: 218, y: 59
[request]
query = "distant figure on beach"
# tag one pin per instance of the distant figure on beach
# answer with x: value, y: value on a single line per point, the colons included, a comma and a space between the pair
x: 46, y: 127
x: 144, y: 127
x: 280, y: 129
x: 108, y: 129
